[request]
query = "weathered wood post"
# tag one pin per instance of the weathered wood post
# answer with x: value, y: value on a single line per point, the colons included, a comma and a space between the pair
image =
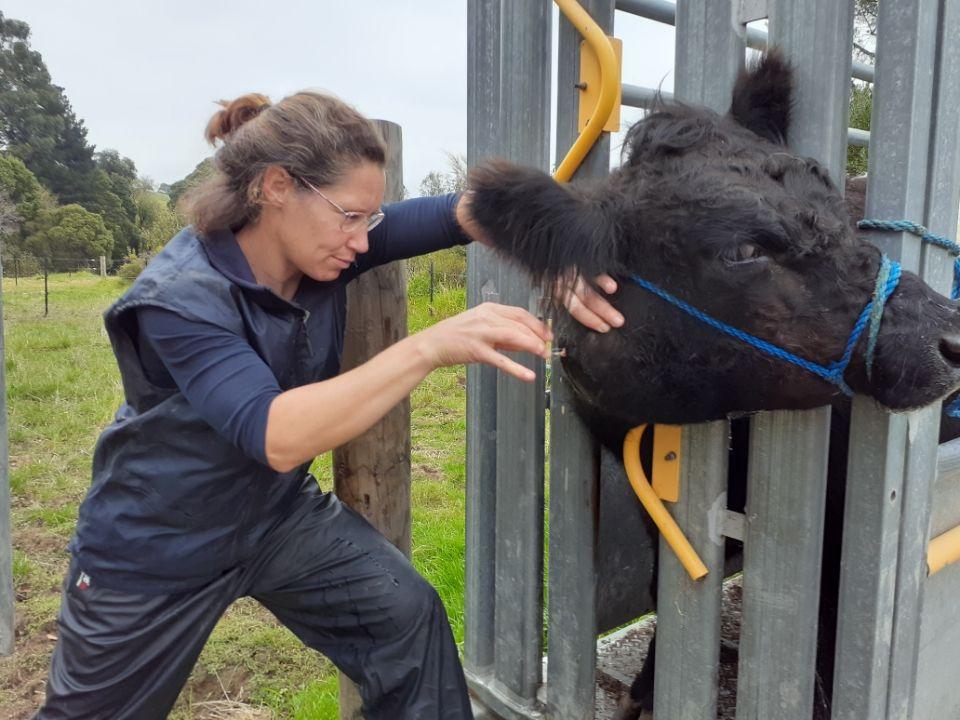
x: 372, y: 472
x: 103, y: 266
x: 6, y: 547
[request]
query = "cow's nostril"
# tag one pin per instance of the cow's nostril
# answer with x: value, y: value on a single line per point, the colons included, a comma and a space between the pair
x: 950, y: 348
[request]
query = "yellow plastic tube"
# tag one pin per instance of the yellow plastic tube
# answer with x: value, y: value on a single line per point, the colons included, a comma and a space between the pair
x: 943, y: 550
x: 609, y: 84
x: 668, y: 526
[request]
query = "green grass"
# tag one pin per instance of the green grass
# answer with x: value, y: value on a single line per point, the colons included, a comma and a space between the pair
x: 63, y: 388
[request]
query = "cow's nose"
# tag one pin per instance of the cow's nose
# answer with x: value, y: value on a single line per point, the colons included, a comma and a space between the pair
x: 950, y: 348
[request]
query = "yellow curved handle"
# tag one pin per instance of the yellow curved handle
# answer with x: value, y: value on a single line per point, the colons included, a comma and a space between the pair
x: 668, y: 526
x: 943, y: 550
x: 609, y: 84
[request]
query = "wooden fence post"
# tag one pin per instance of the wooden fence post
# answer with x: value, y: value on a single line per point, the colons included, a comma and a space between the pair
x: 372, y: 472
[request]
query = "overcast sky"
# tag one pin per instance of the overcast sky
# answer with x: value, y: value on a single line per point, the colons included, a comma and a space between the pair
x: 144, y: 76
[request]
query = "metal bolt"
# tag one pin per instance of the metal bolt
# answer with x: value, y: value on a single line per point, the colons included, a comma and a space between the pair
x: 671, y: 456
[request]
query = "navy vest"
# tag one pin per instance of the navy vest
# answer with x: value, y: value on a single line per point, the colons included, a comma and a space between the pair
x: 173, y: 503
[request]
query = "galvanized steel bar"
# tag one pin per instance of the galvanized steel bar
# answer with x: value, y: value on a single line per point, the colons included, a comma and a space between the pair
x: 574, y: 459
x: 572, y: 577
x: 938, y: 692
x: 6, y: 547
x: 658, y: 10
x: 642, y: 97
x: 525, y: 29
x: 940, y: 215
x: 943, y: 190
x: 665, y: 12
x: 781, y: 574
x: 646, y: 98
x: 709, y: 52
x: 788, y: 450
x: 892, y: 460
x: 483, y: 123
x: 709, y: 56
x: 688, y: 612
x: 946, y: 511
x: 868, y: 575
x: 816, y: 36
x: 858, y: 138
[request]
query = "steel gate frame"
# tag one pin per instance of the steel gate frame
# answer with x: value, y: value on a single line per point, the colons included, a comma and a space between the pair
x: 916, y: 177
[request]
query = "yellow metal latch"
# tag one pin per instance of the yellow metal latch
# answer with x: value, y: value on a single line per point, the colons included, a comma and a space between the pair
x: 666, y: 462
x: 590, y: 86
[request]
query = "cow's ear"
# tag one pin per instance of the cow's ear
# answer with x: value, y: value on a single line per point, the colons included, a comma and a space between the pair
x: 763, y: 96
x: 545, y: 226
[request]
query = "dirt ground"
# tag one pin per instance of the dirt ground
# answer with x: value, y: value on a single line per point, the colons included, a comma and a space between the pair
x: 619, y: 661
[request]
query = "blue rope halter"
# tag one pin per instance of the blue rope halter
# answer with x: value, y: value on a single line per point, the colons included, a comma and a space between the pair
x: 926, y: 236
x: 887, y: 279
x: 872, y: 315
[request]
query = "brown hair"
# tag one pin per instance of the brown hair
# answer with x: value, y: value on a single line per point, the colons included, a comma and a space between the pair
x: 315, y: 137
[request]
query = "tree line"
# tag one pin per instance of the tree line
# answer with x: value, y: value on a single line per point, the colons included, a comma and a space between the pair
x: 60, y: 198
x: 63, y: 201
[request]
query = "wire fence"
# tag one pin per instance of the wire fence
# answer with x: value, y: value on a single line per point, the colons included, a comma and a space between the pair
x: 438, y: 271
x: 22, y: 265
x: 25, y: 266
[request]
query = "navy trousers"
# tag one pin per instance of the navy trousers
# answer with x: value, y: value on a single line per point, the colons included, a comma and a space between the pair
x: 324, y: 572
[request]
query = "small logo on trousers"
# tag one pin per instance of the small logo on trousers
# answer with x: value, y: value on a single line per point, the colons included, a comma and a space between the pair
x: 83, y: 582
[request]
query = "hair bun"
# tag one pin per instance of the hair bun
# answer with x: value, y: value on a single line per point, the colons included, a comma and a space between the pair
x: 234, y: 114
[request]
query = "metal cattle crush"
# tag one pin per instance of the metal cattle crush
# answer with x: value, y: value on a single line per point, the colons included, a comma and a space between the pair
x: 898, y: 643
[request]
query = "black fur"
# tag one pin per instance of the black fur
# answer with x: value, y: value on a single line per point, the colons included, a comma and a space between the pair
x: 762, y: 99
x: 717, y: 211
x: 741, y: 228
x: 548, y: 227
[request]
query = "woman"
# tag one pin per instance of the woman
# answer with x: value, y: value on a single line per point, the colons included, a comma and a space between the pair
x: 229, y: 346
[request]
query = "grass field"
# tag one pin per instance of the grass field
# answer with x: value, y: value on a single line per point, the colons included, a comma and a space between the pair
x: 63, y: 388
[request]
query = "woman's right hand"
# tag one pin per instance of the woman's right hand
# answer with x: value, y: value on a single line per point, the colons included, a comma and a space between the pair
x: 480, y: 334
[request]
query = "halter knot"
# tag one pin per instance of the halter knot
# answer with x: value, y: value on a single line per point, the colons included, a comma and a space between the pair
x: 926, y: 236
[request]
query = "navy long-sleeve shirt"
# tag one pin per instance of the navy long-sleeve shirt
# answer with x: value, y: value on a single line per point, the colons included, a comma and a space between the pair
x: 221, y: 376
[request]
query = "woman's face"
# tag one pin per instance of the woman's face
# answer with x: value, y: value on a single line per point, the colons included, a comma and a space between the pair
x: 316, y: 237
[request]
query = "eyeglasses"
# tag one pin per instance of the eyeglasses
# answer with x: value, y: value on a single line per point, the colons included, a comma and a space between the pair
x: 352, y: 220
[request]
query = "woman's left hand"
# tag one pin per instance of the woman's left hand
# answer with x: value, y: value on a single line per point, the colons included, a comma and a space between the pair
x: 586, y: 305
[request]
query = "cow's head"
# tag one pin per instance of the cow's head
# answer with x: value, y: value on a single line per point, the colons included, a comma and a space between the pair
x: 718, y: 212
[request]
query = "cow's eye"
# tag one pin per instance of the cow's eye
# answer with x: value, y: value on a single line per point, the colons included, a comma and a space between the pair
x: 743, y: 253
